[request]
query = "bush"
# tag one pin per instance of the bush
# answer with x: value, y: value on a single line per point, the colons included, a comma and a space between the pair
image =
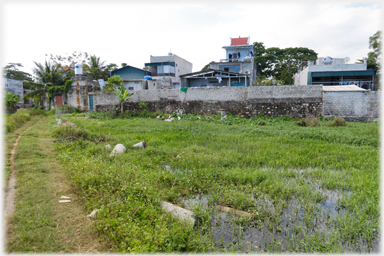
x: 337, y: 121
x: 310, y: 121
x: 67, y: 131
x: 15, y: 120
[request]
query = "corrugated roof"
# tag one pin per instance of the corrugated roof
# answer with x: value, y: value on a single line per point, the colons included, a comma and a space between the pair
x: 339, y: 88
x: 239, y: 41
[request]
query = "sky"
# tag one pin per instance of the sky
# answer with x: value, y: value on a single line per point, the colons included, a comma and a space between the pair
x: 129, y: 32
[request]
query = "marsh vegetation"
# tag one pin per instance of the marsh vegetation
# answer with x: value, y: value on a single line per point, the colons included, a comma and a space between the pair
x: 309, y: 189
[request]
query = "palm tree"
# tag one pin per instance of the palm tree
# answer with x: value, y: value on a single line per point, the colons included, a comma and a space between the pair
x: 95, y: 68
x: 48, y: 73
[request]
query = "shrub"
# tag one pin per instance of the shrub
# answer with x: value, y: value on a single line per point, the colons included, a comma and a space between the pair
x: 67, y: 131
x: 310, y: 121
x: 337, y: 121
x: 15, y: 120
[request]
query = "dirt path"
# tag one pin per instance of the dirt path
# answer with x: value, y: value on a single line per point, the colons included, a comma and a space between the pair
x: 10, y: 191
x: 35, y: 220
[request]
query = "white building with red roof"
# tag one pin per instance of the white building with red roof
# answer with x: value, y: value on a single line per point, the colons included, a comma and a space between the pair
x: 238, y: 58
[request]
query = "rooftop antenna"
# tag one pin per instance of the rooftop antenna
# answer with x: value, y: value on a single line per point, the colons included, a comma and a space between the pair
x: 346, y: 59
x: 170, y: 53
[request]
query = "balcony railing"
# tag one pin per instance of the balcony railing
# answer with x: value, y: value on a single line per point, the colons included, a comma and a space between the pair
x: 236, y: 60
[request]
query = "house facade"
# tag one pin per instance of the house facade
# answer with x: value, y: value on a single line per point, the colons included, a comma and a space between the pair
x: 238, y: 58
x: 14, y: 86
x: 170, y: 66
x: 336, y: 71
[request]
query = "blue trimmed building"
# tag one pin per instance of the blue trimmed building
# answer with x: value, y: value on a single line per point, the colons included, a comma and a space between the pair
x: 328, y: 71
x: 130, y: 73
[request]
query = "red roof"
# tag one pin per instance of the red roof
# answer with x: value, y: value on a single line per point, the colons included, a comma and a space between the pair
x: 65, y: 68
x: 239, y: 41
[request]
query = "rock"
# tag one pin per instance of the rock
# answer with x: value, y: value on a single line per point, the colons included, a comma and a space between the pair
x: 142, y: 144
x: 160, y: 116
x: 178, y: 212
x: 119, y: 148
x: 93, y: 213
x: 108, y: 146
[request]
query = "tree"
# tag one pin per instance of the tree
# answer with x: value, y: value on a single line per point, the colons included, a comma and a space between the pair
x: 206, y: 67
x: 95, y: 68
x: 121, y: 93
x: 11, y: 71
x: 281, y: 63
x: 49, y: 73
x: 374, y: 57
x: 123, y: 64
x: 10, y: 100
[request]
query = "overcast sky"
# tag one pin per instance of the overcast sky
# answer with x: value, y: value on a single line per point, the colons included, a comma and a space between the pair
x: 129, y: 32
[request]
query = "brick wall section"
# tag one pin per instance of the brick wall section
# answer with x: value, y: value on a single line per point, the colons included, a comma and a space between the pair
x: 353, y: 106
x: 296, y: 101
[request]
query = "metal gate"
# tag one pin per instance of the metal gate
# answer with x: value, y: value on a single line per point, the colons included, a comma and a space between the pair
x: 59, y: 100
x: 91, y: 102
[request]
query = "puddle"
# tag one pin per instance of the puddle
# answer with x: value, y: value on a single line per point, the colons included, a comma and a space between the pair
x: 249, y: 235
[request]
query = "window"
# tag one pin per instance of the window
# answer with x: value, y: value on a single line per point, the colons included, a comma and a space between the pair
x: 130, y: 88
x: 230, y: 68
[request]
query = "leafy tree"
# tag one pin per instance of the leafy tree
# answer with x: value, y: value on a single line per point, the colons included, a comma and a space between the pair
x: 267, y: 81
x: 123, y: 64
x: 95, y: 67
x: 49, y: 73
x: 374, y: 57
x: 10, y: 100
x: 122, y: 94
x: 206, y: 67
x: 12, y: 71
x: 281, y: 63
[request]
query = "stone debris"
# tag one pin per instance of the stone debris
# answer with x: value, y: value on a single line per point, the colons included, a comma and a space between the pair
x: 178, y: 118
x: 65, y: 197
x: 119, y: 148
x: 233, y: 211
x: 170, y: 119
x: 178, y: 212
x: 160, y: 116
x: 108, y: 146
x: 64, y: 201
x: 142, y: 144
x: 93, y: 213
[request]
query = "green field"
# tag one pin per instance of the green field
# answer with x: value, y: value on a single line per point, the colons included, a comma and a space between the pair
x: 309, y: 189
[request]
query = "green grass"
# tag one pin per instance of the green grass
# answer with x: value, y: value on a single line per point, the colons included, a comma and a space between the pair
x: 40, y: 224
x: 261, y: 165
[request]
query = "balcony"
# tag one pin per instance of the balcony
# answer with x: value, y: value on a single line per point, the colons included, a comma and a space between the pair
x: 245, y: 59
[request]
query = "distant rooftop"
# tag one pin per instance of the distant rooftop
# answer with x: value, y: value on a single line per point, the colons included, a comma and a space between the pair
x: 240, y: 41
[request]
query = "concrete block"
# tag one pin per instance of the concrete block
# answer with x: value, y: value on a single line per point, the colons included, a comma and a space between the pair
x: 178, y: 212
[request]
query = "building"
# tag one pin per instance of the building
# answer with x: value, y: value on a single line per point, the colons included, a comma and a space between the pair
x: 14, y: 86
x: 133, y: 78
x: 171, y: 66
x: 238, y: 58
x: 214, y: 77
x: 336, y: 71
x: 129, y: 73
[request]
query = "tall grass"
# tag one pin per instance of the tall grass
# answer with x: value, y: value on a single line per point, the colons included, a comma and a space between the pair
x: 17, y: 119
x: 238, y: 163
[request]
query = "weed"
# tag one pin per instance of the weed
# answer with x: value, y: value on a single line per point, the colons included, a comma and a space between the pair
x: 337, y: 121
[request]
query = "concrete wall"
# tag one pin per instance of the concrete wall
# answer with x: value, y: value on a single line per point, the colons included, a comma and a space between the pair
x: 296, y: 101
x: 136, y: 84
x: 15, y: 87
x: 353, y: 106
